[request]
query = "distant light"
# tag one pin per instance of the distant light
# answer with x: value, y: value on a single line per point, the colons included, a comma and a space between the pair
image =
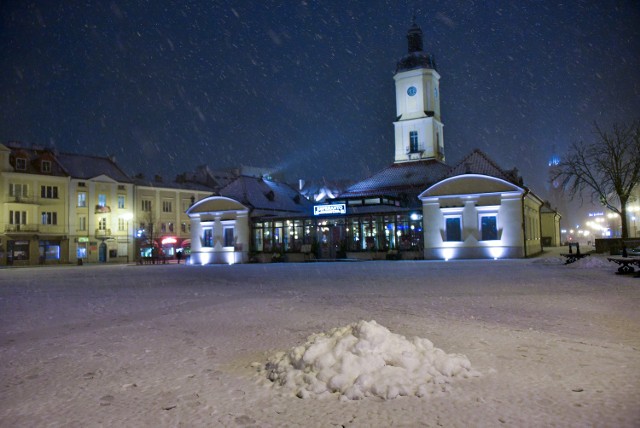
x: 415, y: 216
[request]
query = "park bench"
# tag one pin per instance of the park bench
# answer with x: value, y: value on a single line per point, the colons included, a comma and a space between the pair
x: 625, y: 263
x: 573, y: 256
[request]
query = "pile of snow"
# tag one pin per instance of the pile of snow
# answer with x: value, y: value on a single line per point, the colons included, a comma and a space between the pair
x: 365, y: 359
x: 592, y: 262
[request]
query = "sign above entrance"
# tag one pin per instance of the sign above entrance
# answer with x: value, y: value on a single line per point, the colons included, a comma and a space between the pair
x: 329, y: 209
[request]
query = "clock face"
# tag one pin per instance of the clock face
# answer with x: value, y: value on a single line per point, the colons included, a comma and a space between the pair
x: 411, y: 91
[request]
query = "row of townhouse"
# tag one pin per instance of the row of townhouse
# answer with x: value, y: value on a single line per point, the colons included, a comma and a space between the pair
x: 67, y: 208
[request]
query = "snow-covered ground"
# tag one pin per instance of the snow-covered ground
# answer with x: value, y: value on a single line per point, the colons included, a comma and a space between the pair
x: 532, y: 342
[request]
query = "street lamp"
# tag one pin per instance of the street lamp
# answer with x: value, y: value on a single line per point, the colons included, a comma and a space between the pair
x: 127, y: 217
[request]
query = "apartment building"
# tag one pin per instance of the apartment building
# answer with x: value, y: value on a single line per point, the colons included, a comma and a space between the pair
x: 162, y: 226
x: 34, y: 196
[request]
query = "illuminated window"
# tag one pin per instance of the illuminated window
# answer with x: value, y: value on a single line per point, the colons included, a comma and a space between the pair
x: 121, y: 201
x: 50, y: 217
x: 207, y: 238
x: 102, y: 223
x: 453, y: 228
x: 488, y: 227
x: 102, y: 200
x: 82, y: 199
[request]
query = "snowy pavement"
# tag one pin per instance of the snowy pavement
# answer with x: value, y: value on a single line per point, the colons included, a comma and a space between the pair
x: 175, y: 345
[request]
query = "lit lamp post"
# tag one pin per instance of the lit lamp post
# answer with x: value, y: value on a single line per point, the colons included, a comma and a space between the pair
x: 127, y: 217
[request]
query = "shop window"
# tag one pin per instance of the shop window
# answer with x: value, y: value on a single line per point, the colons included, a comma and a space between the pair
x: 453, y: 228
x: 207, y: 237
x: 229, y: 236
x: 257, y: 237
x: 18, y: 250
x: 488, y: 227
x: 49, y: 250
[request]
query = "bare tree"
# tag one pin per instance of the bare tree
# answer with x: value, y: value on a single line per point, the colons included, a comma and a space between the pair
x: 607, y: 169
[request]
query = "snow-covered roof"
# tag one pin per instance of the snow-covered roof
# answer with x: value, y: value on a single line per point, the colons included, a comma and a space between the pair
x: 406, y: 179
x: 267, y: 197
x: 87, y: 167
x: 477, y: 162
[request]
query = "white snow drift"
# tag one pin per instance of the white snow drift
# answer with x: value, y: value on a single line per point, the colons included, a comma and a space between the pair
x: 365, y: 359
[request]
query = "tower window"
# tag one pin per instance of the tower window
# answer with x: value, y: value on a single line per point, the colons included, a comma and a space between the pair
x: 413, y: 141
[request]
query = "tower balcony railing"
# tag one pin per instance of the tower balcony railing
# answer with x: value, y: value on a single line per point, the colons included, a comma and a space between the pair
x: 415, y: 150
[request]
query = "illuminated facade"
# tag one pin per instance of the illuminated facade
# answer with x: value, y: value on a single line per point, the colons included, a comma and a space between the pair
x: 34, y: 195
x: 161, y: 226
x: 219, y: 231
x: 418, y: 129
x: 480, y: 216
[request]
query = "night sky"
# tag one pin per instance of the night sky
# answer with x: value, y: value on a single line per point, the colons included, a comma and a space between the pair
x: 307, y: 87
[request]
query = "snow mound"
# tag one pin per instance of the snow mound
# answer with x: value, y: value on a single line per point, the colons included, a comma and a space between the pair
x: 591, y: 263
x: 365, y: 359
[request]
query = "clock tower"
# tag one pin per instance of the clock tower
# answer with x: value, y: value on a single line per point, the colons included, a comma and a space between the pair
x: 418, y: 130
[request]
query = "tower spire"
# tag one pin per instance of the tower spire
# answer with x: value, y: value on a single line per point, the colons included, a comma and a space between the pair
x: 414, y: 37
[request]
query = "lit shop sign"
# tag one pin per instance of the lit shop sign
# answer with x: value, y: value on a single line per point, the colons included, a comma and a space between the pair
x: 329, y: 209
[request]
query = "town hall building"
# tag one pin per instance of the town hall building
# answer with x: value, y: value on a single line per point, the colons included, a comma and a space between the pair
x: 416, y: 208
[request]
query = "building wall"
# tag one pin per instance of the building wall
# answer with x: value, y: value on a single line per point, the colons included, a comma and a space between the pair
x: 487, y: 197
x: 92, y: 226
x: 215, y: 214
x: 171, y: 223
x: 40, y: 236
x: 550, y: 225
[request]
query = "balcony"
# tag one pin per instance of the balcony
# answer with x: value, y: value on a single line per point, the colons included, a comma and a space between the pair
x: 52, y: 229
x: 103, y: 233
x: 102, y: 209
x: 21, y: 228
x: 23, y: 199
